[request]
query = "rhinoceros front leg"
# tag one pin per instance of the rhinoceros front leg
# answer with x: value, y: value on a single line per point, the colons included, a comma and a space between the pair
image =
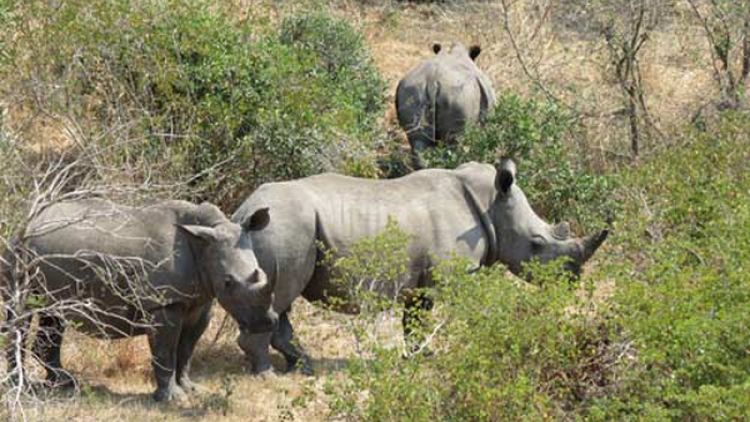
x: 189, y: 337
x: 255, y: 347
x: 47, y: 347
x: 283, y: 340
x: 164, y: 339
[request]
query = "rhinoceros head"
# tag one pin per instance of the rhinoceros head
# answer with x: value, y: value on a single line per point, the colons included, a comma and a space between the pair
x: 227, y: 262
x: 523, y: 236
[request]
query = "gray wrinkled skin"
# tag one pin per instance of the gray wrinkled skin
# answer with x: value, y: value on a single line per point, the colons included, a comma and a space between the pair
x: 438, y: 97
x: 178, y: 257
x: 475, y: 211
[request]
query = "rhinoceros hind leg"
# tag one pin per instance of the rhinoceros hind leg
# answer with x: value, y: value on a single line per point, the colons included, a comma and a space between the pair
x: 415, y: 309
x: 188, y: 339
x: 283, y: 340
x: 47, y: 347
x: 420, y: 139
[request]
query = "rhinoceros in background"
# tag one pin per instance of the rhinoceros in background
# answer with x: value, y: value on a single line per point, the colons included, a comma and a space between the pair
x: 152, y: 270
x: 438, y: 97
x: 475, y: 211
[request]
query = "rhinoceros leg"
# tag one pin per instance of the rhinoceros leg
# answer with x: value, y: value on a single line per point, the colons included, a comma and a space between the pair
x: 414, y: 309
x: 283, y: 340
x: 255, y: 347
x: 420, y: 139
x: 47, y: 349
x: 164, y: 339
x: 188, y: 339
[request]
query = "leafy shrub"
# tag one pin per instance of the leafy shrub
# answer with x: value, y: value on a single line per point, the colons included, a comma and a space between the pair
x: 7, y: 13
x: 368, y: 277
x: 554, y: 177
x: 504, y: 351
x: 372, y: 271
x: 199, y: 96
x: 683, y: 299
x: 339, y: 52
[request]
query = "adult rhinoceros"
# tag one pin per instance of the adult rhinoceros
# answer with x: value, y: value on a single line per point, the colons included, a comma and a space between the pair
x: 475, y: 211
x: 438, y: 97
x: 122, y: 271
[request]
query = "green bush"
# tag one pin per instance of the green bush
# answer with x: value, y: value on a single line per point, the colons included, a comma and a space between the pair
x: 199, y: 96
x: 537, y: 135
x: 504, y: 351
x: 339, y: 52
x: 368, y: 277
x: 683, y: 299
x: 7, y: 13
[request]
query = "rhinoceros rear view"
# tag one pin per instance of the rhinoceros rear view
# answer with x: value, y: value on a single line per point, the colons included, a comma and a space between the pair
x: 475, y: 211
x: 438, y: 97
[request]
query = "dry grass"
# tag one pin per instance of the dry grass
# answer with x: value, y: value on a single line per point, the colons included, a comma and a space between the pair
x: 117, y: 382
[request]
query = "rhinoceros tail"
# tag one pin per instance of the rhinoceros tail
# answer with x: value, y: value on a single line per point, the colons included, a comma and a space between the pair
x: 398, y: 90
x: 429, y: 108
x: 416, y: 108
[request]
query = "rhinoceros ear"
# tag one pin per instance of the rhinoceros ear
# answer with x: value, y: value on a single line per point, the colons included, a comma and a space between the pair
x: 474, y: 51
x: 257, y: 221
x: 506, y: 175
x: 197, y: 232
x: 436, y: 47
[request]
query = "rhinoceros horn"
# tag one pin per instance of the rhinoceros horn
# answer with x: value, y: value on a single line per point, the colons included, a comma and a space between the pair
x: 266, y: 287
x: 592, y: 243
x: 561, y: 230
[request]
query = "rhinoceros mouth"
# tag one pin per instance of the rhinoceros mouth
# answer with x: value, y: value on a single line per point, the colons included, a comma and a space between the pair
x: 260, y: 326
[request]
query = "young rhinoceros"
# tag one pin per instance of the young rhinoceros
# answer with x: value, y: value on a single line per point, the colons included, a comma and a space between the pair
x: 439, y: 96
x: 475, y: 211
x: 123, y: 271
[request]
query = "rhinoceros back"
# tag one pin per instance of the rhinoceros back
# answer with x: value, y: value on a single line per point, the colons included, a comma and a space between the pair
x: 336, y: 211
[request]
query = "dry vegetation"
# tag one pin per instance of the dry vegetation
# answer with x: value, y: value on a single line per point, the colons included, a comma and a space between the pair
x: 562, y: 53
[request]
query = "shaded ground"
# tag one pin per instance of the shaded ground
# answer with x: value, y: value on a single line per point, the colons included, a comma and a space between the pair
x: 116, y: 379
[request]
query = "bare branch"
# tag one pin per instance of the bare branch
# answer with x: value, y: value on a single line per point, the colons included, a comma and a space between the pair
x: 533, y: 77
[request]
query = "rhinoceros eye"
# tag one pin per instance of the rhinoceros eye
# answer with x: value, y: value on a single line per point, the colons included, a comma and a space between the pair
x: 537, y: 244
x: 228, y: 282
x: 254, y: 277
